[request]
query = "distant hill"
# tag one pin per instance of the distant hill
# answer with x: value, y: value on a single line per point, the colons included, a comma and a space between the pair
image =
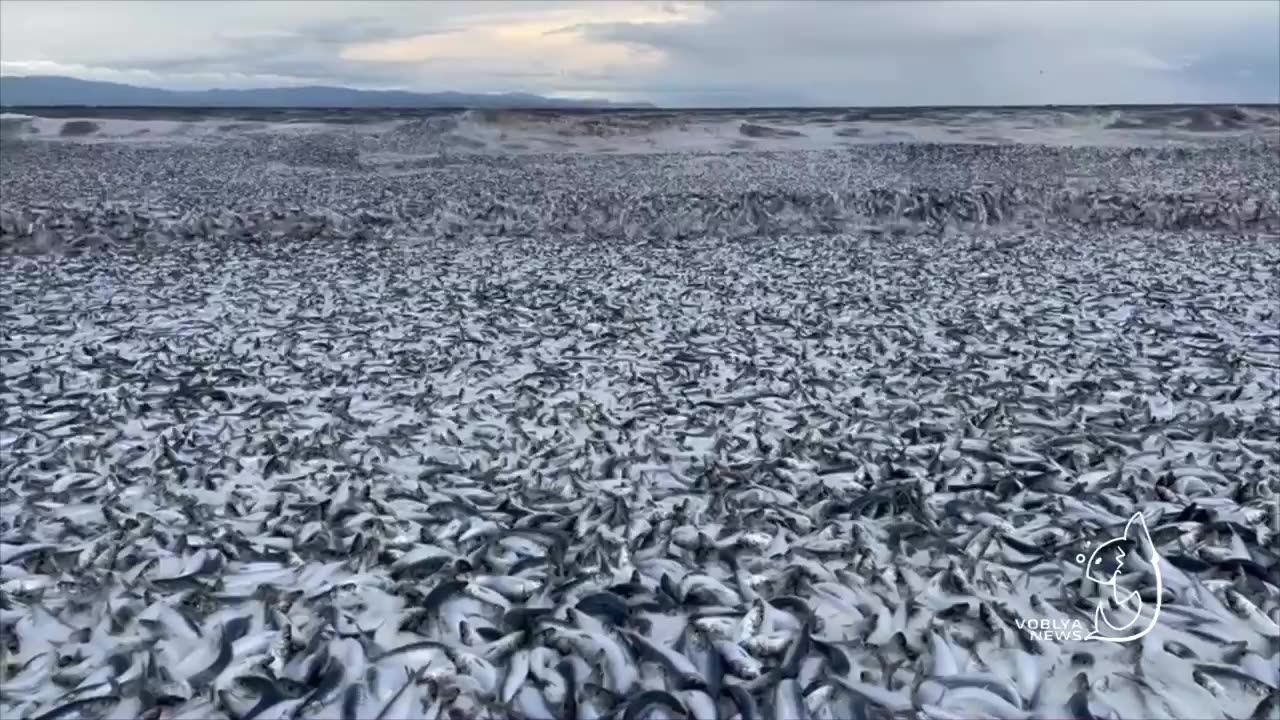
x: 54, y: 90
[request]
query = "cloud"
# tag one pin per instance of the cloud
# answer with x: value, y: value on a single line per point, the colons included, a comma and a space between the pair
x: 970, y: 53
x: 788, y: 52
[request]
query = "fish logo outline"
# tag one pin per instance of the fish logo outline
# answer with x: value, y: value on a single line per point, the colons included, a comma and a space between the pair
x: 1135, y: 531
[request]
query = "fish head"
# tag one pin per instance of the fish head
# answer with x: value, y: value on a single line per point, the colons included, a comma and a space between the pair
x: 1106, y: 561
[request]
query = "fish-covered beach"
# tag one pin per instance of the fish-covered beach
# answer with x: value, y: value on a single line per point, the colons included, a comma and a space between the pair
x: 640, y: 415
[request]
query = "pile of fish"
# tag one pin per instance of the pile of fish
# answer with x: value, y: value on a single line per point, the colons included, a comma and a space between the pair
x: 80, y: 227
x: 252, y: 472
x: 256, y: 188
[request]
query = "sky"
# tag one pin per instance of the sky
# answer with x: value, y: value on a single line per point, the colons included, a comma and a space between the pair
x: 679, y: 54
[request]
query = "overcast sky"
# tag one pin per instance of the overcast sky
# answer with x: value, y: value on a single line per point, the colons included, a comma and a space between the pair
x: 735, y: 52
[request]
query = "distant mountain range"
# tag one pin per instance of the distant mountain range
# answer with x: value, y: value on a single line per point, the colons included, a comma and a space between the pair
x: 55, y: 91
